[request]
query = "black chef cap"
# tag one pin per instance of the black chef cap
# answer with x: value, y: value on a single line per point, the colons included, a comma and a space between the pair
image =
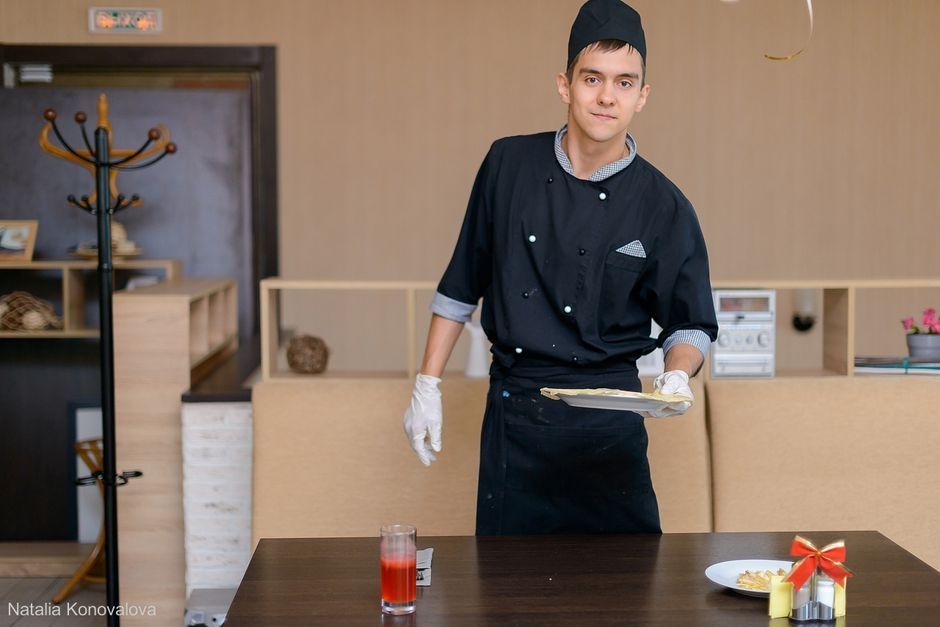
x: 605, y: 19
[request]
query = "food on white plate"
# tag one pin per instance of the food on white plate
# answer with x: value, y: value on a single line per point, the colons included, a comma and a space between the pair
x: 758, y: 579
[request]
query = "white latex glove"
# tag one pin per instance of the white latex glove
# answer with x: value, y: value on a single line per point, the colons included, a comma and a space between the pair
x: 672, y: 382
x: 424, y: 417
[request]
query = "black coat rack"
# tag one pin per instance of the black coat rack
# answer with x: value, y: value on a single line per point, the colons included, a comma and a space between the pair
x: 100, y: 158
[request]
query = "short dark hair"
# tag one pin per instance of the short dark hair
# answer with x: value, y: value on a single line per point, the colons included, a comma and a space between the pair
x: 605, y: 45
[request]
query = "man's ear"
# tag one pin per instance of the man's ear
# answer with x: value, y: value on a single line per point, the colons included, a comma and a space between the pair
x: 564, y: 89
x: 641, y: 101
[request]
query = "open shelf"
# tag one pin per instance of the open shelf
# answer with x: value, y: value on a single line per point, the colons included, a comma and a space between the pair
x: 198, y: 329
x: 50, y: 334
x: 207, y: 308
x: 71, y: 305
x: 273, y: 360
x: 838, y: 309
x: 224, y: 343
x: 839, y: 312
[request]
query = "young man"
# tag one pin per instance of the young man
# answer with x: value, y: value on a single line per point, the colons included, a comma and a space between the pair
x: 574, y: 243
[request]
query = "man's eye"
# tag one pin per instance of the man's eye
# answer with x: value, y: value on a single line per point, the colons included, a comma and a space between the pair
x: 625, y: 84
x: 591, y: 80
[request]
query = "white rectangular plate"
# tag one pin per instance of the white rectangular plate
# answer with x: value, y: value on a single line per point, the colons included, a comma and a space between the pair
x: 617, y: 400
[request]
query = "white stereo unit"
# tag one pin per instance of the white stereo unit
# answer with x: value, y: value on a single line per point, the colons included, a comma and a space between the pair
x: 745, y: 346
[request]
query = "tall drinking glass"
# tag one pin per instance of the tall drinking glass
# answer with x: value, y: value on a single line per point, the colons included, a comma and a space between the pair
x: 397, y: 557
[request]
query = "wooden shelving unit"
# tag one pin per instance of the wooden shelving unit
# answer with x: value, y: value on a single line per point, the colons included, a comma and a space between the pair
x: 209, y: 306
x: 838, y: 314
x: 270, y: 293
x: 73, y: 291
x: 166, y: 337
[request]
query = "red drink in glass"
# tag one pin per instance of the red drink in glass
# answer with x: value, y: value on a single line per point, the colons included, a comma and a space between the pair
x: 398, y: 579
x: 397, y: 560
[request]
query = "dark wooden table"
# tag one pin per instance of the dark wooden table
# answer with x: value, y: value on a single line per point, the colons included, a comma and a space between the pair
x: 571, y: 580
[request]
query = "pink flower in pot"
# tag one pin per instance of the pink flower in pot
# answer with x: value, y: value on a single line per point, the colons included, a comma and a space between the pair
x: 929, y: 325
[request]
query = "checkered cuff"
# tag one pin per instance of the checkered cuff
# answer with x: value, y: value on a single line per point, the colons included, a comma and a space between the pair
x: 696, y: 337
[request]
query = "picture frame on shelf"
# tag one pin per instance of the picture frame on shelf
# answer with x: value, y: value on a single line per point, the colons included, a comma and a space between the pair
x: 17, y: 240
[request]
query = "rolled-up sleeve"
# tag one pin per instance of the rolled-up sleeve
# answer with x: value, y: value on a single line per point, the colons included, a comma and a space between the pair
x: 697, y: 338
x: 678, y: 288
x: 452, y: 309
x: 470, y: 270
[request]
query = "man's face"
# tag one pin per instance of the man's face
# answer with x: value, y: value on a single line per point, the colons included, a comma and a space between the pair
x: 604, y: 93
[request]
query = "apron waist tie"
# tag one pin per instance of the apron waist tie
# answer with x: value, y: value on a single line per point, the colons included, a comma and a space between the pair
x: 545, y: 370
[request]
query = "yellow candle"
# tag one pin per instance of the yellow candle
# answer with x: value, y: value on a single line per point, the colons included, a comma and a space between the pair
x: 781, y: 597
x: 839, y: 606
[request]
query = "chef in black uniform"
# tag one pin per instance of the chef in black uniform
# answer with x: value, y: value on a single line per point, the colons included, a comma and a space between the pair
x: 575, y: 243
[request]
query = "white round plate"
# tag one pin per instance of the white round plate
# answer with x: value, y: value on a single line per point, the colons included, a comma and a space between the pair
x: 726, y: 573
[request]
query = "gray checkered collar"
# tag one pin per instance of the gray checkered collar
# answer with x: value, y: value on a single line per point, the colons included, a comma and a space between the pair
x: 601, y: 173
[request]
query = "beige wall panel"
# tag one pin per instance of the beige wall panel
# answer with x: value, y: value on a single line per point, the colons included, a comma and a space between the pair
x: 148, y: 393
x: 827, y: 454
x: 330, y: 459
x: 154, y: 512
x: 151, y: 371
x: 164, y: 592
x: 680, y: 465
x: 821, y: 167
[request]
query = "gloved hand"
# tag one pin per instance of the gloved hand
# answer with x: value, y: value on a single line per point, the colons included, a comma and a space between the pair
x: 672, y: 382
x: 424, y: 417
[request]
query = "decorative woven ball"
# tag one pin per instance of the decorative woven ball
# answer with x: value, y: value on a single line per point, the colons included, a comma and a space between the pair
x: 307, y: 354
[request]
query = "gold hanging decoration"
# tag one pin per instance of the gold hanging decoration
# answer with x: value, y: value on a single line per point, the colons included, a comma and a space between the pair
x: 809, y: 7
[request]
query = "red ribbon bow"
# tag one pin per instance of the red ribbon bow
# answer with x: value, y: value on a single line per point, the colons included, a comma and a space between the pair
x: 828, y: 559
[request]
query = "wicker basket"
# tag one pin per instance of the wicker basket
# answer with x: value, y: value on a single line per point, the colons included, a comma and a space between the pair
x: 21, y: 311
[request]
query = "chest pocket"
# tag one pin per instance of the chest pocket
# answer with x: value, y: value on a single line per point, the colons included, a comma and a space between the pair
x: 618, y: 307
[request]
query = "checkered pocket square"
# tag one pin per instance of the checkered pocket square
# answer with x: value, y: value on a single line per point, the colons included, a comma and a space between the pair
x: 634, y: 249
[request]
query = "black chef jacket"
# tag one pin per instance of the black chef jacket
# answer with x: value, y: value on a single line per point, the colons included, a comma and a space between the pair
x: 571, y: 271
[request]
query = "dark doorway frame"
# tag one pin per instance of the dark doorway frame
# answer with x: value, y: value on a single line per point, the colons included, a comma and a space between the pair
x: 258, y: 60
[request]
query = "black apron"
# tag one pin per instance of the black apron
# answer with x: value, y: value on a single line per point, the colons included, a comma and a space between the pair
x: 547, y: 467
